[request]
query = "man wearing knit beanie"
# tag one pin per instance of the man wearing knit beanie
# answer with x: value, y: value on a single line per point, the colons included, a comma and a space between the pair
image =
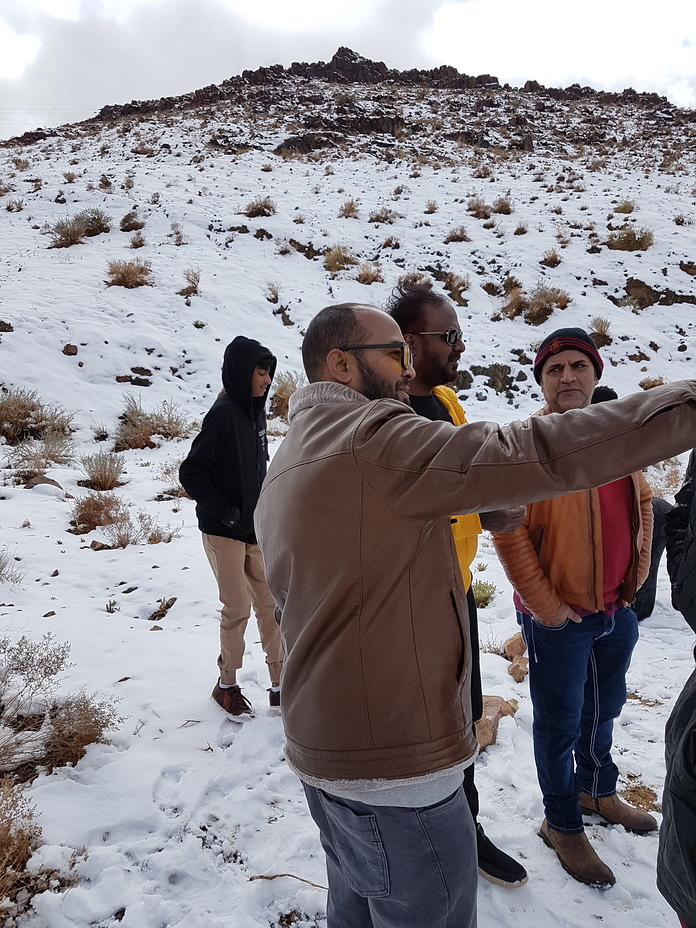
x: 575, y: 565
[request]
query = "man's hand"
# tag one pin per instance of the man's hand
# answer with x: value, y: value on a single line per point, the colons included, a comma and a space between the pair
x: 564, y: 613
x: 503, y: 520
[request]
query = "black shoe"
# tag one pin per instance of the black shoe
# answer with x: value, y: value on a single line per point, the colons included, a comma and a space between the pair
x: 274, y: 699
x: 495, y: 865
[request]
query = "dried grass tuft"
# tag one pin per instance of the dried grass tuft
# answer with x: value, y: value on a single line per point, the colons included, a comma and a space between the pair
x: 103, y: 470
x: 284, y: 386
x: 129, y: 274
x: 261, y: 206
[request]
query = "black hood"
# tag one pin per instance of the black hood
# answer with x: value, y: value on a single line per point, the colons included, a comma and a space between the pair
x: 242, y: 357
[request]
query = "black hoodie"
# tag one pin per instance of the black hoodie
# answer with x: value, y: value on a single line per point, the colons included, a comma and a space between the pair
x: 227, y: 462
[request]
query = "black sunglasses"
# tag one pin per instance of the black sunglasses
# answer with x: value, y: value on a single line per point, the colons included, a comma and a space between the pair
x: 404, y: 350
x: 451, y: 336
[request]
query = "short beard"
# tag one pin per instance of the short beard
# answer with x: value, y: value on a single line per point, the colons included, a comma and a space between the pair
x: 373, y: 386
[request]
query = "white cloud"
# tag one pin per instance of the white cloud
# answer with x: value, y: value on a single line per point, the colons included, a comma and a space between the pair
x: 609, y: 45
x: 16, y: 52
x: 301, y: 15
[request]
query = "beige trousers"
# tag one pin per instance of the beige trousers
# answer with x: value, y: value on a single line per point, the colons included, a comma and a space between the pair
x: 241, y: 581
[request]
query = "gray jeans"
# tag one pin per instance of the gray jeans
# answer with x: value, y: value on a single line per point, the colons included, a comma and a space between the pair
x: 394, y: 867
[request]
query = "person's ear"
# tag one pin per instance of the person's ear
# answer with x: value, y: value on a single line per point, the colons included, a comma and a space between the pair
x: 339, y: 366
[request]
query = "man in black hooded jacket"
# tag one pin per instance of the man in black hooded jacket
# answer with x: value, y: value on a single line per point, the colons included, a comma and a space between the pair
x: 223, y: 473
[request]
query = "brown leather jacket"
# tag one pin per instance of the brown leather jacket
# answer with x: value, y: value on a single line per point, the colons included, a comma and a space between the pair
x: 555, y: 557
x: 353, y: 522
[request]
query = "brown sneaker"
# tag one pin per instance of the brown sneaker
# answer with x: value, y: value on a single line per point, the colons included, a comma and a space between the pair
x: 233, y: 701
x: 617, y: 812
x: 578, y: 857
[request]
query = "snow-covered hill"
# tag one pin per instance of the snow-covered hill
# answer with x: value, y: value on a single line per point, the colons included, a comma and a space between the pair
x: 185, y: 808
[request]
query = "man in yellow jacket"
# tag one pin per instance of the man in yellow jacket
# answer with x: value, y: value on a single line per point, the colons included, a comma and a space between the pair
x: 431, y: 328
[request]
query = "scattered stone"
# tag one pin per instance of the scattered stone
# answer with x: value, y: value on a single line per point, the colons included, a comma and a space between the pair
x: 163, y: 608
x: 519, y: 668
x: 514, y: 647
x: 38, y: 481
x: 6, y: 326
x: 55, y: 573
x: 494, y: 708
x: 70, y: 350
x: 47, y: 615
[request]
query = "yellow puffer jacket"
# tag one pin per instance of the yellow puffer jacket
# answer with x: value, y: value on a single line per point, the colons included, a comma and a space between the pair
x: 465, y: 529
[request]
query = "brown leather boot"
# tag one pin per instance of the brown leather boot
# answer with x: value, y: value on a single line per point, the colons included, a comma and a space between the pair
x: 617, y: 812
x: 577, y: 857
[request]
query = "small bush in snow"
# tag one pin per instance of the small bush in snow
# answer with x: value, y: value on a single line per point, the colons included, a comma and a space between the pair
x: 10, y: 571
x: 34, y: 457
x: 478, y: 208
x: 431, y: 207
x: 626, y: 206
x: 192, y: 276
x: 23, y: 416
x: 137, y: 240
x: 131, y: 222
x: 103, y: 470
x: 338, y: 258
x: 628, y: 238
x: 284, y: 386
x: 384, y: 215
x: 144, y: 530
x: 94, y: 221
x: 550, y: 258
x: 503, y: 205
x: 369, y: 273
x: 261, y: 206
x: 349, y: 210
x: 15, y: 206
x: 67, y: 232
x: 19, y: 836
x: 457, y: 234
x: 129, y: 274
x: 483, y: 592
x: 95, y: 510
x: 137, y: 426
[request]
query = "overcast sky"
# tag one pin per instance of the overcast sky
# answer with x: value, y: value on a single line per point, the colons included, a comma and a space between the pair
x: 62, y: 60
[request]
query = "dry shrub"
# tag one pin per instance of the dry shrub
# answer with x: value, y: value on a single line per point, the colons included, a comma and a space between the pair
x: 15, y: 205
x: 144, y: 530
x: 103, y: 470
x: 542, y: 302
x: 177, y: 234
x: 67, y: 232
x: 599, y: 325
x: 384, y: 215
x: 23, y: 416
x: 431, y: 206
x: 19, y: 836
x: 456, y: 286
x: 261, y: 206
x: 94, y: 221
x: 628, y: 238
x: 478, y: 208
x: 266, y: 167
x: 521, y: 228
x: 647, y: 383
x: 76, y: 722
x: 482, y: 171
x: 625, y: 206
x: 169, y: 473
x: 137, y: 426
x: 273, y: 292
x: 457, y: 234
x: 550, y: 258
x: 129, y: 274
x: 338, y: 258
x: 34, y: 457
x: 515, y: 302
x: 131, y: 222
x: 503, y: 205
x: 95, y: 510
x: 349, y: 210
x: 192, y: 276
x: 369, y: 273
x: 10, y: 572
x: 416, y: 278
x: 284, y: 386
x: 70, y: 177
x: 137, y: 240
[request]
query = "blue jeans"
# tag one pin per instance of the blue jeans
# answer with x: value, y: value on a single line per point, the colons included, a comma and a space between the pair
x: 577, y: 681
x: 394, y: 867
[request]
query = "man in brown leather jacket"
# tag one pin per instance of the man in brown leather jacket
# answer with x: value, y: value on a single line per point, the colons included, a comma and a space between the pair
x: 575, y: 564
x: 353, y: 523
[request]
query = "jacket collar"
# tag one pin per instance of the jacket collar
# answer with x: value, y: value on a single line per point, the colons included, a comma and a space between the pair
x: 324, y: 391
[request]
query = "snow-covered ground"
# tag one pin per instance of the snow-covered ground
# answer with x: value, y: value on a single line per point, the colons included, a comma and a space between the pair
x: 187, y: 818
